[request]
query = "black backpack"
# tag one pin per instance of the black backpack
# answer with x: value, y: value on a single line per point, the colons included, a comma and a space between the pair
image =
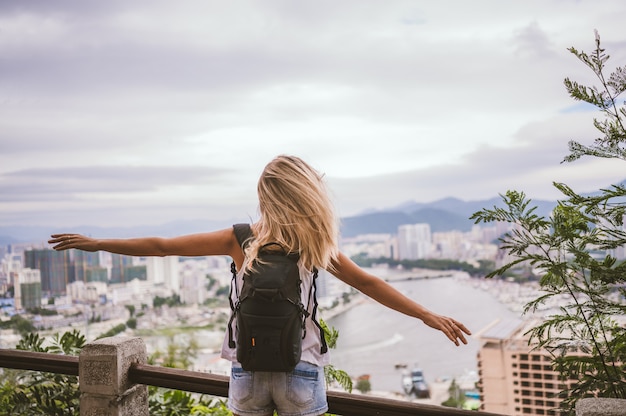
x: 269, y: 311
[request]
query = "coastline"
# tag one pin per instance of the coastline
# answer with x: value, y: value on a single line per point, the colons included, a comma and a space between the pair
x: 329, y: 313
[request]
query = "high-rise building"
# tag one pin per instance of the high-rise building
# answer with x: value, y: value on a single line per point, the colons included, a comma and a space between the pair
x: 96, y: 274
x: 515, y: 378
x: 414, y: 241
x: 56, y: 268
x: 119, y: 265
x: 28, y: 289
x: 85, y: 261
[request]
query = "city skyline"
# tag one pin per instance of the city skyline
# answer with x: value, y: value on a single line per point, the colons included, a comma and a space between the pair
x: 121, y: 114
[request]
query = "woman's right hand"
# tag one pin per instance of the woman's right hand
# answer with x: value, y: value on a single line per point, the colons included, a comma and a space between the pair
x: 452, y: 328
x: 78, y: 241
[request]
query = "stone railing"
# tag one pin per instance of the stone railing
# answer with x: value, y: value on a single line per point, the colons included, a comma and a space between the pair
x: 114, y: 375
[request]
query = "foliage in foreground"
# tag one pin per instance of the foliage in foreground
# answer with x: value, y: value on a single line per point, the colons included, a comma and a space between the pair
x: 35, y: 393
x: 574, y: 253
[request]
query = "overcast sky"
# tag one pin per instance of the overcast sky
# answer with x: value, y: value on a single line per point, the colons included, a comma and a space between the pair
x: 145, y: 112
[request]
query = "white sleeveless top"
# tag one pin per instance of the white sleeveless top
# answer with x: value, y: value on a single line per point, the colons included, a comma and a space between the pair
x: 311, y: 344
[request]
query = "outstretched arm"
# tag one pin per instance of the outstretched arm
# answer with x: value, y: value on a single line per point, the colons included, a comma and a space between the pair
x: 221, y: 242
x: 379, y: 290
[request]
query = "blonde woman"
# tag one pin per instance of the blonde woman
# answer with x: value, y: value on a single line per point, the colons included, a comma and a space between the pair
x: 296, y: 212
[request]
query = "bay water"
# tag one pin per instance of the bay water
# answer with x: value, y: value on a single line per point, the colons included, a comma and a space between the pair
x: 382, y: 343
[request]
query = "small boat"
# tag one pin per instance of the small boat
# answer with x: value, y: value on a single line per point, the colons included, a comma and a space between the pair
x: 414, y: 383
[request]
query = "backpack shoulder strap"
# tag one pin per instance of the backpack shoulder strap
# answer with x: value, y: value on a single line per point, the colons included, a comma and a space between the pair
x: 243, y: 232
x: 324, y: 346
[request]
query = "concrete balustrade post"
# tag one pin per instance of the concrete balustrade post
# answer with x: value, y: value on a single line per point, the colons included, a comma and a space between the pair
x: 105, y: 389
x: 591, y: 406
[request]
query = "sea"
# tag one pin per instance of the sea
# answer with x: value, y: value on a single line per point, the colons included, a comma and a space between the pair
x: 378, y: 342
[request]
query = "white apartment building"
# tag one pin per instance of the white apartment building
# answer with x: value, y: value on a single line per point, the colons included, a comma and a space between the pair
x: 91, y: 292
x: 450, y: 245
x: 193, y: 277
x: 27, y: 289
x: 374, y: 245
x: 193, y: 289
x: 414, y: 241
x: 165, y: 271
x: 135, y: 292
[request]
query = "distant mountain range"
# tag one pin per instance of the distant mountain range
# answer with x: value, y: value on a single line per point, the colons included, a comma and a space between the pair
x: 442, y: 215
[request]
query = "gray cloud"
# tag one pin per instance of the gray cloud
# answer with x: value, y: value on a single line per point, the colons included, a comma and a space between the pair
x: 46, y: 184
x: 531, y: 165
x: 533, y: 41
x: 177, y: 106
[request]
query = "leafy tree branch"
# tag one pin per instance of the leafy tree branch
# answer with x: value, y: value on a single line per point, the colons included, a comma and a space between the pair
x: 575, y: 254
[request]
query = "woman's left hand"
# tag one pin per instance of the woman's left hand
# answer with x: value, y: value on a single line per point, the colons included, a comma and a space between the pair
x: 78, y: 241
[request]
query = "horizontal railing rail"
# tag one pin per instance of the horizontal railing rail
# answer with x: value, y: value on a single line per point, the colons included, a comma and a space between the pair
x: 340, y: 403
x: 177, y: 379
x: 39, y: 361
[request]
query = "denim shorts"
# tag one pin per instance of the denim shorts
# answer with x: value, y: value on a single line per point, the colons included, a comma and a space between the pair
x: 299, y: 393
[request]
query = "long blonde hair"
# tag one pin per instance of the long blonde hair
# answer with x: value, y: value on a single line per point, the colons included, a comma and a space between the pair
x: 296, y: 212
